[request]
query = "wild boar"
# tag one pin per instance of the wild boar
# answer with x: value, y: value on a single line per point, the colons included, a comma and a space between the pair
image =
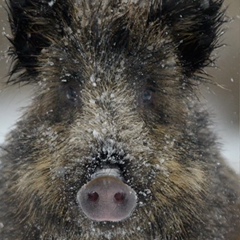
x: 115, y: 144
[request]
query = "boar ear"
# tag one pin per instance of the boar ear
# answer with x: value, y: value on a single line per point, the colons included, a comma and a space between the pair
x: 34, y: 25
x: 194, y: 27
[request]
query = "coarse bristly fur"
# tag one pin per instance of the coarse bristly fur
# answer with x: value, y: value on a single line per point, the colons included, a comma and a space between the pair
x: 117, y: 84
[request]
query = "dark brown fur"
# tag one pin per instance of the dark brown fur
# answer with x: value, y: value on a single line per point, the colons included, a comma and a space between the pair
x: 116, y: 86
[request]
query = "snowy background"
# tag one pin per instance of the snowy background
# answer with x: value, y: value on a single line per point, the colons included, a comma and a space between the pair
x: 223, y: 103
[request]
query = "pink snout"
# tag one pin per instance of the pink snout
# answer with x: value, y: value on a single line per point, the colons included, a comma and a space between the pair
x: 107, y: 198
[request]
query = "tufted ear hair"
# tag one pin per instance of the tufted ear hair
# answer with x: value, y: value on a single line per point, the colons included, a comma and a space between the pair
x: 194, y: 27
x: 35, y: 24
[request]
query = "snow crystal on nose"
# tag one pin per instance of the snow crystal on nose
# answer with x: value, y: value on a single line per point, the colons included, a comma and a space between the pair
x: 51, y: 3
x: 205, y: 4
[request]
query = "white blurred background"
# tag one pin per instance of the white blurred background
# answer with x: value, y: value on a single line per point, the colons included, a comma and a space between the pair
x: 223, y: 103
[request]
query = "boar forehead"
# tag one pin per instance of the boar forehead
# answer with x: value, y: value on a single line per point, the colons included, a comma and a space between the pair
x: 109, y: 36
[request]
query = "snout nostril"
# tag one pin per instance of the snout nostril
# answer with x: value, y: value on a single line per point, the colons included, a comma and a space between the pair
x: 119, y: 197
x: 93, y: 197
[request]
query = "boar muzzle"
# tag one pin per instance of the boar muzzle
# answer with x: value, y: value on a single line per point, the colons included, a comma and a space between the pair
x: 107, y: 198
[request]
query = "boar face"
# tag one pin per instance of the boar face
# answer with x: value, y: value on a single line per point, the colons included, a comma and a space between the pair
x: 114, y: 145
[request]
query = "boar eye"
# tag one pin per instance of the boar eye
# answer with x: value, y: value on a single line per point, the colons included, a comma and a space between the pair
x: 72, y: 95
x: 148, y: 96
